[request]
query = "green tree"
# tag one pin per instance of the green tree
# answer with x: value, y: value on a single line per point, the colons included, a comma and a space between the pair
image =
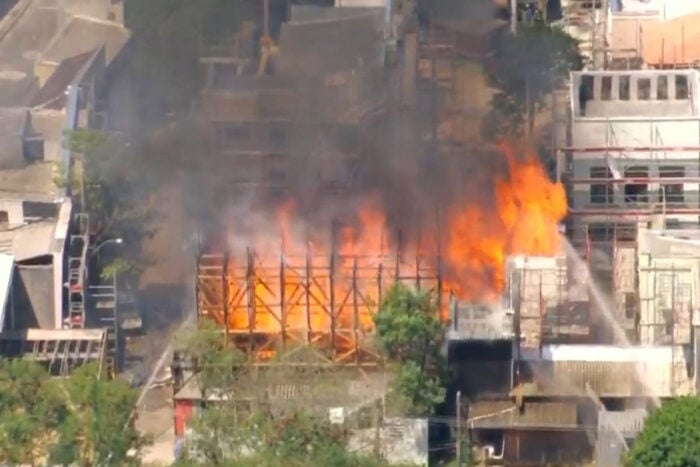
x: 30, y: 412
x: 670, y: 438
x: 294, y: 439
x: 113, y: 184
x: 523, y: 70
x: 410, y: 333
x: 80, y: 420
x: 219, y: 365
x: 97, y: 428
x: 239, y: 427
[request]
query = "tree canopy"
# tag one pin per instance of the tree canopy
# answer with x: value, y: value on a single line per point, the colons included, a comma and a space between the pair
x: 410, y: 333
x: 240, y: 427
x: 670, y: 438
x: 82, y: 419
x: 523, y: 70
x: 112, y: 181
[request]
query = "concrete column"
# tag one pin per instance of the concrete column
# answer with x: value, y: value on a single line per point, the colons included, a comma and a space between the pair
x: 615, y: 91
x: 597, y: 85
x: 671, y: 87
x: 634, y: 87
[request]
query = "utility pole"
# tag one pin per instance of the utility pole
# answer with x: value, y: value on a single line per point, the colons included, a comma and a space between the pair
x: 458, y: 403
x: 513, y: 16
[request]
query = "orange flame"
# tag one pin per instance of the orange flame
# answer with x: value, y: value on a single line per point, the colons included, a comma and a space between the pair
x: 301, y: 295
x: 528, y: 209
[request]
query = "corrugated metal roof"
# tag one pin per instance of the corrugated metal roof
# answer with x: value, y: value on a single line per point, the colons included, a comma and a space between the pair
x: 628, y: 422
x: 7, y: 263
x: 505, y: 414
x: 606, y: 379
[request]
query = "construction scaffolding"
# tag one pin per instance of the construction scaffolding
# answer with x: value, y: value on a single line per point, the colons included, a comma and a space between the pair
x: 104, y: 315
x: 667, y: 294
x: 325, y: 301
x: 446, y: 61
x: 77, y: 271
x: 550, y: 302
x: 588, y: 21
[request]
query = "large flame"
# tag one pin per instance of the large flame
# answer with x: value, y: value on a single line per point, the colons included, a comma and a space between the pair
x: 528, y: 210
x: 295, y: 288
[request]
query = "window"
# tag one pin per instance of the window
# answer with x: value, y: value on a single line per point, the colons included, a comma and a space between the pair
x: 601, y: 193
x: 606, y: 88
x: 626, y: 232
x: 637, y: 192
x: 233, y: 133
x: 624, y: 87
x: 672, y: 192
x: 662, y: 88
x: 681, y: 87
x: 278, y: 135
x: 276, y: 176
x: 4, y: 219
x: 585, y: 92
x: 644, y: 89
x: 600, y: 232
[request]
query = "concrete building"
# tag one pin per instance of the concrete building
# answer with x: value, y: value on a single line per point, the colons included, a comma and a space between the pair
x: 654, y: 40
x: 56, y: 56
x: 556, y: 390
x: 632, y: 147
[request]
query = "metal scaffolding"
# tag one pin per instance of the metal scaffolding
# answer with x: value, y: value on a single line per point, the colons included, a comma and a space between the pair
x: 326, y: 301
x: 77, y: 271
x: 104, y: 315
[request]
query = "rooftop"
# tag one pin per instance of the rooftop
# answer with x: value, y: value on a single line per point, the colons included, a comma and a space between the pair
x: 52, y: 94
x: 34, y: 229
x: 29, y: 241
x: 83, y: 34
x: 34, y: 180
x: 34, y: 27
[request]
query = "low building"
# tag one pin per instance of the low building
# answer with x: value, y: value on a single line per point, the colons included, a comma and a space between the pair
x: 56, y: 56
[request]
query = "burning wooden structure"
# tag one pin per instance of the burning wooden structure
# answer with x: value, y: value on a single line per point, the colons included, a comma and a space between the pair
x: 326, y: 301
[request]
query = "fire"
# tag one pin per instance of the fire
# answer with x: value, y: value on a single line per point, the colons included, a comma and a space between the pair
x: 303, y: 285
x: 528, y: 209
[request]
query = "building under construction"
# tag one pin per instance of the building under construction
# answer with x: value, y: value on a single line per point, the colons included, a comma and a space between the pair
x: 570, y: 355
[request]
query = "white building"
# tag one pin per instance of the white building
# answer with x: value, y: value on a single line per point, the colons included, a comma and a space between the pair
x: 633, y: 148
